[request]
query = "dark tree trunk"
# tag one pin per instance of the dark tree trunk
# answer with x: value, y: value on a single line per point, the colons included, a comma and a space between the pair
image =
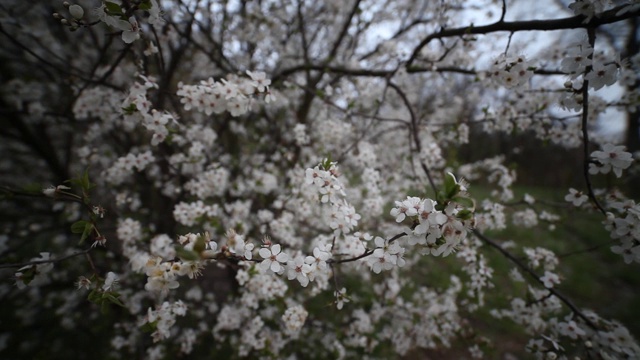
x: 633, y: 118
x: 632, y: 140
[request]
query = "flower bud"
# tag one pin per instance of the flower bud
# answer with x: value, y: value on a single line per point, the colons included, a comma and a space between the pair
x: 76, y: 11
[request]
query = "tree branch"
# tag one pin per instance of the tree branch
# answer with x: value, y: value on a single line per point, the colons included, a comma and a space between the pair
x: 384, y: 73
x: 574, y: 22
x: 414, y: 131
x: 535, y: 276
x: 585, y: 131
x: 366, y: 253
x: 37, y: 262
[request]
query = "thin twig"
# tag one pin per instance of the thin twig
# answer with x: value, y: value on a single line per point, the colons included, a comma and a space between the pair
x: 504, y: 11
x: 367, y: 252
x: 582, y: 251
x: 37, y: 262
x: 535, y: 276
x: 585, y: 131
x: 506, y: 50
x: 414, y: 131
x: 363, y: 255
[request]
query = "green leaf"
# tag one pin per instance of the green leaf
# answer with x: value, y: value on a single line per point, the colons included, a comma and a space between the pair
x: 28, y: 275
x: 149, y: 327
x: 33, y: 188
x: 113, y: 8
x: 440, y: 199
x: 465, y: 201
x: 104, y: 307
x: 95, y: 296
x: 84, y: 182
x: 129, y: 110
x: 200, y: 245
x: 253, y: 271
x: 74, y: 181
x: 465, y: 214
x: 145, y: 5
x: 79, y: 226
x: 451, y: 187
x: 326, y: 163
x: 185, y: 254
x: 88, y: 228
x: 113, y: 298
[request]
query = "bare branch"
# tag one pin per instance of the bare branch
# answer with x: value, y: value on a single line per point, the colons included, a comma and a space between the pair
x: 414, y: 132
x: 574, y: 22
x: 585, y: 130
x: 37, y: 262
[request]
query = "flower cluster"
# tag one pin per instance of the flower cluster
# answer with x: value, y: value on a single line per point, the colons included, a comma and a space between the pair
x: 233, y: 94
x: 113, y: 14
x: 237, y: 245
x: 163, y: 318
x: 608, y: 339
x: 625, y: 228
x: 189, y: 214
x: 510, y: 72
x: 136, y: 109
x: 479, y: 271
x: 194, y: 250
x: 526, y: 218
x: 330, y: 190
x: 436, y: 232
x: 123, y: 167
x: 576, y: 60
x: 611, y: 157
x: 597, y: 69
x: 294, y: 318
x: 494, y: 171
x: 386, y: 255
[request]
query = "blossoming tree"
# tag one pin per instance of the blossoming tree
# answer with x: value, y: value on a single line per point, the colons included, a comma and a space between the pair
x: 275, y: 179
